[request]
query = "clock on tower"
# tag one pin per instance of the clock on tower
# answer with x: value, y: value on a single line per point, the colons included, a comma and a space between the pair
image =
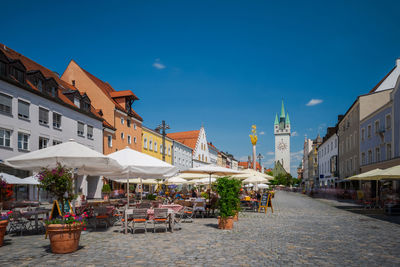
x: 282, y: 139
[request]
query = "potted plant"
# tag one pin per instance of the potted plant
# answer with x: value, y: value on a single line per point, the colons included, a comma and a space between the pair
x: 64, y: 231
x: 3, y: 225
x: 6, y: 193
x: 228, y: 191
x: 106, y: 191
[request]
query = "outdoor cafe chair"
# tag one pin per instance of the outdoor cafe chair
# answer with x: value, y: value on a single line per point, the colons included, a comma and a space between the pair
x: 160, y: 218
x: 18, y: 223
x: 100, y: 216
x: 199, y: 207
x: 187, y: 214
x: 139, y: 220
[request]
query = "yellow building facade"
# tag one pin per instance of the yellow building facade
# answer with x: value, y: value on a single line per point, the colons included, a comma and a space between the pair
x: 152, y: 144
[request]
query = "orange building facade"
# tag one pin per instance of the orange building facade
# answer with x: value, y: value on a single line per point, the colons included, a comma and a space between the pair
x: 122, y: 125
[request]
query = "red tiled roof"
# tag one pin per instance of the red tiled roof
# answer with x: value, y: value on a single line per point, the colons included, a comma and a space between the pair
x: 31, y: 65
x: 188, y: 138
x: 108, y: 90
x: 244, y: 164
x: 124, y: 93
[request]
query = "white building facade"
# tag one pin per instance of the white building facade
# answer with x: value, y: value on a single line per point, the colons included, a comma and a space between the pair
x: 182, y: 156
x: 282, y: 139
x: 327, y: 160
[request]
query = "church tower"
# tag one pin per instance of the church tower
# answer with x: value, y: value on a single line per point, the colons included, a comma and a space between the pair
x: 282, y: 139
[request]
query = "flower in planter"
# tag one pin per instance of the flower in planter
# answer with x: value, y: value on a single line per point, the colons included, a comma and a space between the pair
x: 6, y: 191
x: 6, y: 216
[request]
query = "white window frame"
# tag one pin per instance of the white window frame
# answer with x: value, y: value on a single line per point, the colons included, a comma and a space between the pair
x: 155, y: 146
x: 43, y: 122
x: 122, y: 120
x: 10, y: 107
x: 151, y: 144
x: 122, y: 136
x: 23, y: 142
x: 134, y: 139
x: 3, y: 137
x: 89, y: 136
x: 145, y: 143
x: 81, y: 134
x: 20, y: 115
x: 56, y: 126
x: 42, y: 138
x: 377, y: 129
x: 109, y: 140
x: 390, y: 121
x: 129, y: 140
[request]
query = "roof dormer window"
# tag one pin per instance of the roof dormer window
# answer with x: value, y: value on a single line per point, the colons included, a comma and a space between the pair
x: 40, y: 85
x: 19, y: 75
x: 3, y: 71
x: 77, y: 102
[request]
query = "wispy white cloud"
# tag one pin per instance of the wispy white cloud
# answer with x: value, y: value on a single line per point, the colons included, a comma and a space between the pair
x: 295, y: 133
x: 314, y: 102
x: 296, y: 156
x: 270, y: 153
x: 158, y: 65
x: 269, y: 163
x: 261, y: 133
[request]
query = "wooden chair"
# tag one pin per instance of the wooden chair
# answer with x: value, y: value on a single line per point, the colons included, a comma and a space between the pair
x: 101, y: 216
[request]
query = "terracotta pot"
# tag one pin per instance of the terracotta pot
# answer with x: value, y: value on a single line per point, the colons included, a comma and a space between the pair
x: 225, y: 223
x: 64, y: 238
x: 236, y: 217
x: 105, y: 196
x: 3, y: 227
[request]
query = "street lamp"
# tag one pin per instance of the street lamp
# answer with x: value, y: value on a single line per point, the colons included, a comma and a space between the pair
x: 163, y: 127
x: 260, y: 157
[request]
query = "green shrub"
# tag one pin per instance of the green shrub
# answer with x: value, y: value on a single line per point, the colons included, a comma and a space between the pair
x: 229, y: 201
x: 151, y: 197
x: 106, y: 189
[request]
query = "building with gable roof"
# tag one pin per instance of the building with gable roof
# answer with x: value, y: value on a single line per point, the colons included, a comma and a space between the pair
x: 116, y: 107
x: 282, y: 139
x: 38, y: 109
x: 213, y: 151
x: 197, y: 141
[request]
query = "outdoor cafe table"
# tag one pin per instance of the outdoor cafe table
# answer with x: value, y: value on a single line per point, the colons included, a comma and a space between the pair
x: 36, y: 213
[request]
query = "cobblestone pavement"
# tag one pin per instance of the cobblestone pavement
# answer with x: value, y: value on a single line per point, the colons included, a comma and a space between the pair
x: 301, y: 231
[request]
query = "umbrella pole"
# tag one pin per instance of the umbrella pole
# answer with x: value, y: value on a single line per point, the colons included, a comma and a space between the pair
x: 376, y: 195
x: 127, y: 206
x: 141, y: 191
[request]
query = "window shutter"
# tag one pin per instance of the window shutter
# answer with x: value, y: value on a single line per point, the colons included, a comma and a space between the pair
x: 23, y: 109
x: 81, y: 128
x: 90, y: 131
x: 5, y: 103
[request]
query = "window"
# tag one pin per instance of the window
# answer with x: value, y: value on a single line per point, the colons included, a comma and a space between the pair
x: 377, y: 154
x: 335, y: 143
x: 40, y: 85
x: 369, y: 131
x: 202, y: 157
x: 5, y: 103
x: 53, y: 91
x: 23, y: 109
x: 377, y: 127
x: 388, y: 123
x: 145, y: 143
x: 134, y: 139
x: 19, y: 75
x: 169, y: 151
x: 199, y: 157
x: 363, y: 158
x: 43, y: 116
x: 109, y: 141
x: 2, y: 68
x: 56, y: 142
x: 122, y: 121
x: 151, y: 144
x: 161, y: 149
x: 90, y: 132
x: 134, y: 126
x: 122, y: 136
x: 129, y: 139
x: 155, y: 146
x: 77, y: 102
x: 369, y: 157
x: 388, y: 151
x: 43, y: 142
x: 81, y: 129
x: 362, y: 134
x: 128, y: 122
x: 56, y: 120
x: 5, y: 138
x: 350, y: 141
x: 23, y: 141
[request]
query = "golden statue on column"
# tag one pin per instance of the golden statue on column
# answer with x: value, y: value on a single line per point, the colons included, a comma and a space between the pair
x: 254, y: 138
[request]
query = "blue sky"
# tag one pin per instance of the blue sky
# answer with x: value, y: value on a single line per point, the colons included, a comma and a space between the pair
x: 224, y: 64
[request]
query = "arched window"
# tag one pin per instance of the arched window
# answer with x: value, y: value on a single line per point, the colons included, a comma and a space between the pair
x: 155, y: 146
x: 145, y: 143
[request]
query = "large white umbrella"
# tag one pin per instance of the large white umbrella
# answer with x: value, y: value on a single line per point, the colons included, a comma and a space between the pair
x: 192, y: 176
x: 11, y: 179
x: 71, y: 154
x: 137, y: 181
x: 207, y: 180
x: 212, y: 170
x: 255, y: 179
x: 250, y: 172
x: 176, y: 180
x: 263, y: 186
x: 367, y: 176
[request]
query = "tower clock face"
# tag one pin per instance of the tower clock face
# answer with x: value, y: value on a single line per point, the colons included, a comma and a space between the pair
x: 282, y: 145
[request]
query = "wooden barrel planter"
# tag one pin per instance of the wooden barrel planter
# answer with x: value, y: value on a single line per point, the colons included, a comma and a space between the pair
x: 3, y: 227
x: 64, y: 238
x: 225, y: 223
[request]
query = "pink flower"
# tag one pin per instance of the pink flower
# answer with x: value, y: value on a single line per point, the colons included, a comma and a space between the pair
x: 84, y: 229
x: 8, y: 213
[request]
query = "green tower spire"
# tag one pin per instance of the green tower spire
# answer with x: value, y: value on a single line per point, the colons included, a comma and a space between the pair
x: 287, y: 122
x: 276, y: 120
x: 282, y: 111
